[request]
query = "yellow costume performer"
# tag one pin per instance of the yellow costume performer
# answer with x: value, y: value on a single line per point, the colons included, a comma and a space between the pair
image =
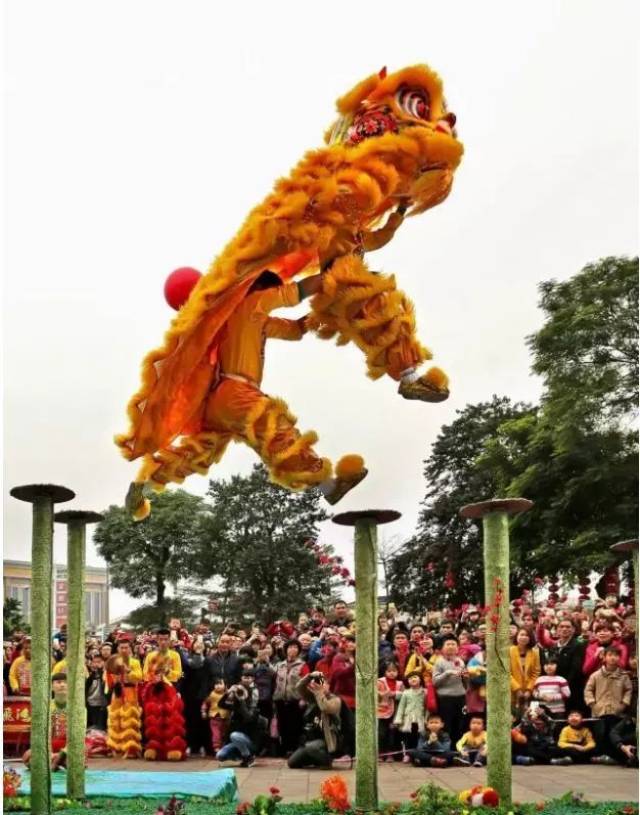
x: 124, y: 728
x: 393, y: 149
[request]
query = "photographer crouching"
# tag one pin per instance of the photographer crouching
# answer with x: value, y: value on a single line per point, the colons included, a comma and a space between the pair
x: 322, y: 724
x: 247, y: 728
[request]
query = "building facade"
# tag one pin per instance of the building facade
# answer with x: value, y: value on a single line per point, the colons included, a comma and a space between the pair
x: 17, y: 585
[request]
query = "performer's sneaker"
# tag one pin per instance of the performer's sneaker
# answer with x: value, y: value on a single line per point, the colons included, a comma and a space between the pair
x: 248, y: 762
x: 344, y: 485
x: 430, y: 387
x: 459, y: 761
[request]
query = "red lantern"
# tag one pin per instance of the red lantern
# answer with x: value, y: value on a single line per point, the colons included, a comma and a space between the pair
x: 612, y: 580
x: 179, y: 285
x: 449, y: 580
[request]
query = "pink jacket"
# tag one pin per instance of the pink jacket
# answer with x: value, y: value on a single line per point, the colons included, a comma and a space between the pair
x: 592, y: 662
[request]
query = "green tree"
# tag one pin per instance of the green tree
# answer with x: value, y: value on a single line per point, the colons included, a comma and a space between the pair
x: 442, y: 562
x: 12, y: 619
x: 254, y: 533
x: 147, y: 555
x: 577, y: 456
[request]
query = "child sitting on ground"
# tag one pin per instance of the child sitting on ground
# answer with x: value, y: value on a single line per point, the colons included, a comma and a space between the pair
x: 472, y: 747
x: 218, y: 717
x: 518, y: 743
x: 552, y: 690
x: 576, y: 743
x: 434, y: 747
x: 537, y: 727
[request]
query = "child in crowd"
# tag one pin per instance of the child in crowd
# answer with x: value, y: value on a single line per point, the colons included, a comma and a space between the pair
x: 537, y: 727
x: 472, y: 747
x: 390, y: 690
x: 218, y: 717
x: 409, y: 717
x: 576, y: 742
x: 449, y: 678
x: 95, y: 694
x: 434, y: 747
x: 608, y: 694
x: 519, y: 743
x: 552, y: 690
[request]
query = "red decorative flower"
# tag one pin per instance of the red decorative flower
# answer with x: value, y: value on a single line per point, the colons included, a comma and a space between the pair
x: 274, y: 791
x: 538, y: 581
x: 335, y: 570
x: 345, y: 572
x: 352, y: 583
x: 413, y: 795
x: 371, y: 123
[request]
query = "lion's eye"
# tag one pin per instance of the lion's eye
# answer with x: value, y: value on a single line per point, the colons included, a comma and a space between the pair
x: 414, y: 102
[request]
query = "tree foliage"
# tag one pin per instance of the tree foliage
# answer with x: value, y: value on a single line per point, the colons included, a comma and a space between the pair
x: 147, y: 555
x: 575, y: 455
x: 12, y: 619
x: 254, y: 543
x: 446, y: 547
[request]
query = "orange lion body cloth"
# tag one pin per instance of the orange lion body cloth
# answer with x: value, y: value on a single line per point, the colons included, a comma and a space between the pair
x: 393, y: 149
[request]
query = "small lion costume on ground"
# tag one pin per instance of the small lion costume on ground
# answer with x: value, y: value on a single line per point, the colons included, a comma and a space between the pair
x: 392, y: 150
x: 164, y: 724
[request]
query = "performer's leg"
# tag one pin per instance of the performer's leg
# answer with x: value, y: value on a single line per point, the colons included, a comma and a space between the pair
x: 367, y: 309
x: 266, y: 425
x: 193, y: 454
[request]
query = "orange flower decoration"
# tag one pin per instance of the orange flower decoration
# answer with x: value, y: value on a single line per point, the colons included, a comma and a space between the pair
x: 335, y: 794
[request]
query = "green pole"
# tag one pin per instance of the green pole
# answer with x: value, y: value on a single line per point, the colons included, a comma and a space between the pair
x: 76, y: 522
x: 495, y: 522
x: 366, y: 564
x: 42, y: 497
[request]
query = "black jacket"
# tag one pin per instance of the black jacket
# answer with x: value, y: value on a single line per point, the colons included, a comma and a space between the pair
x: 570, y: 658
x: 245, y: 717
x: 196, y: 682
x: 623, y: 733
x: 225, y: 666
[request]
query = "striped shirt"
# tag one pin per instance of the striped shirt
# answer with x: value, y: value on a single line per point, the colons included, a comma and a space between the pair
x: 552, y: 691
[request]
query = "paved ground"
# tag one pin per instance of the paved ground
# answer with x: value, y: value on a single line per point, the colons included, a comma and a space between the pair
x: 397, y: 781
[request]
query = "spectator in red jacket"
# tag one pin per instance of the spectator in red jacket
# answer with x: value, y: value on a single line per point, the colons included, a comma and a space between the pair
x: 343, y: 672
x: 594, y: 654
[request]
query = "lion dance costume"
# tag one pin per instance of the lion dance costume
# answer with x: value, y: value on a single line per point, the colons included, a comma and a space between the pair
x: 164, y: 724
x: 393, y: 150
x: 124, y: 726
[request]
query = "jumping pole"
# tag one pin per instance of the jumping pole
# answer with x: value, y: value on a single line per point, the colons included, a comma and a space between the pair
x: 42, y: 497
x: 495, y: 522
x: 366, y: 562
x: 76, y: 521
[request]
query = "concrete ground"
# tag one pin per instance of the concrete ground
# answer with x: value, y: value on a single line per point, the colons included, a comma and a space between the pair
x: 397, y: 781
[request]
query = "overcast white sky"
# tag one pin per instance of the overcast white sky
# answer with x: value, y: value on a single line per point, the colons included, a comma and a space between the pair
x: 139, y: 134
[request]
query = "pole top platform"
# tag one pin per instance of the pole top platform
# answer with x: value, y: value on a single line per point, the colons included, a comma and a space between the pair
x: 625, y: 546
x: 378, y: 516
x: 512, y: 506
x: 77, y: 516
x: 32, y: 492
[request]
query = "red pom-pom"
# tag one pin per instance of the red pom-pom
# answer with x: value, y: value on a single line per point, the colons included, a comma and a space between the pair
x: 179, y: 285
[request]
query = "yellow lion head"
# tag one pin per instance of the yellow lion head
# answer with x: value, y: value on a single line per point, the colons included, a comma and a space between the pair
x: 392, y: 109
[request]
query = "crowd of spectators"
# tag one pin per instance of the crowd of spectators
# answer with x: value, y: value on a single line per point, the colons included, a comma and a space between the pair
x: 288, y: 688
